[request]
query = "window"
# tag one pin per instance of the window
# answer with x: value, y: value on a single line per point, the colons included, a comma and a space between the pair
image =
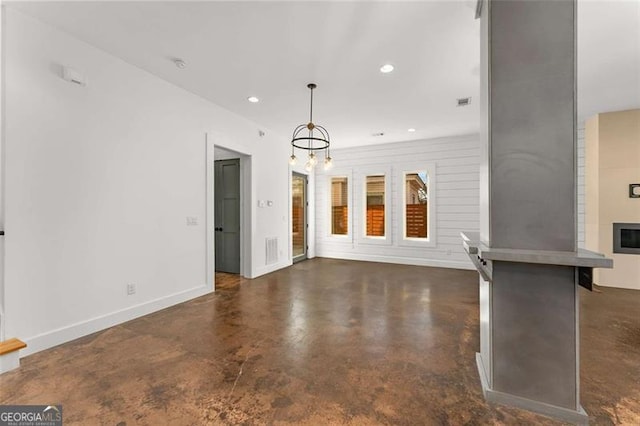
x: 416, y: 205
x: 339, y: 206
x: 375, y: 198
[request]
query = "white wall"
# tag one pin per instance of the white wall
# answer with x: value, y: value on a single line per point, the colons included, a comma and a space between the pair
x: 99, y: 182
x: 456, y: 202
x: 580, y: 182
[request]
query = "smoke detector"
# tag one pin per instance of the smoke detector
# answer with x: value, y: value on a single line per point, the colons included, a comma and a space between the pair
x: 180, y: 63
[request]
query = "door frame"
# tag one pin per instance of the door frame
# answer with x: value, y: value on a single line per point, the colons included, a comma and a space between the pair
x: 306, y: 207
x: 311, y: 210
x: 246, y: 200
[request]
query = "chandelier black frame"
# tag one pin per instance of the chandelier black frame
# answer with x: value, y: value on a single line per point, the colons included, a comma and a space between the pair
x: 311, y: 141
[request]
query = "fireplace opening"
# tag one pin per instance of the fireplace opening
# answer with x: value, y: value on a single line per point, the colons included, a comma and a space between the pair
x: 626, y: 238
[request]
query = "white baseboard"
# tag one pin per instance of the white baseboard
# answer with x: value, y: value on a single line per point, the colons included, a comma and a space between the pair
x: 74, y: 331
x: 263, y: 270
x: 454, y: 264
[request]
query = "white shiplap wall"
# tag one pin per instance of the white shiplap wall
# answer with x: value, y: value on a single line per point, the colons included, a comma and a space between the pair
x: 456, y: 161
x: 580, y: 182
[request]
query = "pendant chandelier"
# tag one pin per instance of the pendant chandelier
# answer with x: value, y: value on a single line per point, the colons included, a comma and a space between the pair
x: 314, y: 138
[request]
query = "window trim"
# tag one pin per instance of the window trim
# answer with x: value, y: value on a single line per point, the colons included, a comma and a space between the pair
x: 361, y: 207
x: 402, y: 170
x: 335, y: 173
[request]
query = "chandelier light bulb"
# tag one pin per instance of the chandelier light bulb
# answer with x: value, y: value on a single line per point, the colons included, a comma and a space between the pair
x: 293, y: 160
x: 312, y: 159
x: 308, y: 167
x: 328, y: 163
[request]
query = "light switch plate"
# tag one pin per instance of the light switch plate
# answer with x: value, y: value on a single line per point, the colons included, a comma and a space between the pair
x: 634, y: 190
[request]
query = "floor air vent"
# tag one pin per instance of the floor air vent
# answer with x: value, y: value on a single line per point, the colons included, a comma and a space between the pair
x: 272, y: 250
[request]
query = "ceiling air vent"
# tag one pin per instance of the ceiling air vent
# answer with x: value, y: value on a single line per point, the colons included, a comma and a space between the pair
x: 464, y: 101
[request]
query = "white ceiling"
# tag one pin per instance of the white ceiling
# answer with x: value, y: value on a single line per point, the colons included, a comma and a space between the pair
x: 273, y: 49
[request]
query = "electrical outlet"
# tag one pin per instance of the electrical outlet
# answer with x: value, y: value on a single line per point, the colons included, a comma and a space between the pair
x: 131, y: 289
x: 192, y: 221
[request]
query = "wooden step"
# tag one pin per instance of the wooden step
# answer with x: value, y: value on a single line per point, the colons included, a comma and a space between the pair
x: 11, y: 345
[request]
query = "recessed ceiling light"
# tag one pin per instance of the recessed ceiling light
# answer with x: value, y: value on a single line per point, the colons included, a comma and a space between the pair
x: 386, y: 68
x: 411, y: 130
x: 253, y: 99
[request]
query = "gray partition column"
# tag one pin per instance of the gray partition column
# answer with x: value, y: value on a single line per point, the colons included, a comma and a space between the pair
x: 526, y: 251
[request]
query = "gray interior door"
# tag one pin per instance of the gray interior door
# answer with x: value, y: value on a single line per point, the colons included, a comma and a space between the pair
x: 227, y: 215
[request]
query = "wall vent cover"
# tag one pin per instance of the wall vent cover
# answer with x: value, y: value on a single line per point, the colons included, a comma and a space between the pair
x: 271, y: 247
x: 464, y: 101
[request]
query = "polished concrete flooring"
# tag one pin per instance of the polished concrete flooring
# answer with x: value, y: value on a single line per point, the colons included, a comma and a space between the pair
x: 325, y: 342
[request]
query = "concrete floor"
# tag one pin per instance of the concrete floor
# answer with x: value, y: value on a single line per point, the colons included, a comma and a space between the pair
x: 323, y: 342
